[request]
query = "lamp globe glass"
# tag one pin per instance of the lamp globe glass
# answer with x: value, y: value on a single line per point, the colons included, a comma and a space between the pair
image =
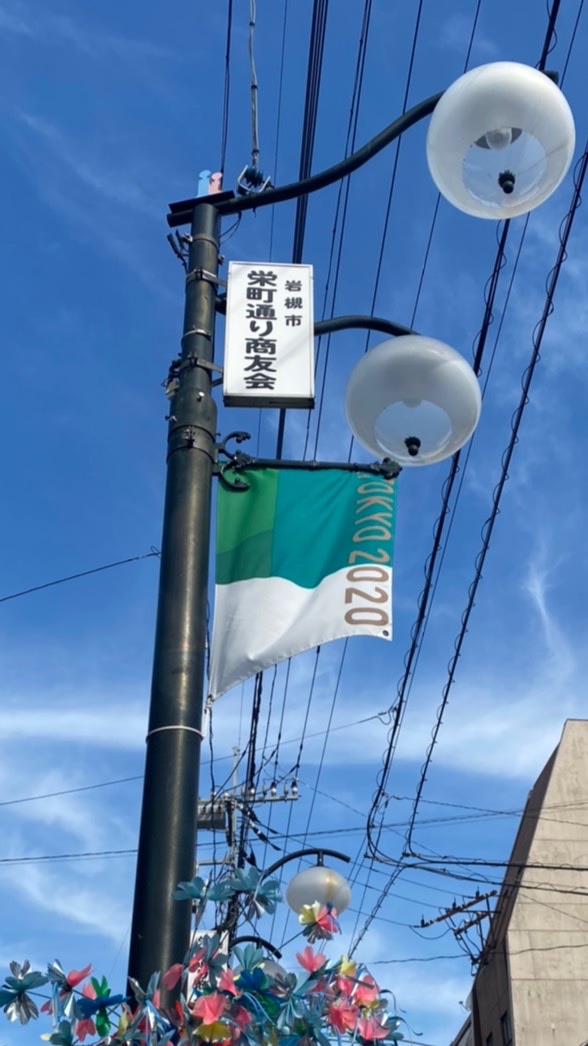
x: 500, y: 140
x: 321, y: 884
x: 413, y: 399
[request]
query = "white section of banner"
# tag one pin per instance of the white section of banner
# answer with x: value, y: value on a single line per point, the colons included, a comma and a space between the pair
x: 260, y: 621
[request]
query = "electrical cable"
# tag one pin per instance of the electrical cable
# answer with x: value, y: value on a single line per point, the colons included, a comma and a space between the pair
x: 313, y: 81
x: 339, y: 222
x: 254, y: 87
x: 324, y: 748
x: 310, y: 120
x: 398, y: 710
x: 438, y: 200
x: 420, y: 625
x: 82, y: 573
x: 278, y: 124
x: 382, y: 779
x: 487, y: 530
x: 70, y: 791
x: 226, y: 89
x: 432, y: 569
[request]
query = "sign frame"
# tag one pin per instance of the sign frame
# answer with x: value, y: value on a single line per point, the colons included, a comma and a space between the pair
x: 269, y: 336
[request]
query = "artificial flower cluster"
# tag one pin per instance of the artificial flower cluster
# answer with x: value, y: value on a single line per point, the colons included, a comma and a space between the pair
x: 239, y: 1000
x: 251, y: 1003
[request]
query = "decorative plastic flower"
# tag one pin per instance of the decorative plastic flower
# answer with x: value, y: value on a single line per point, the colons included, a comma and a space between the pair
x: 370, y: 1030
x: 311, y: 960
x: 210, y: 1007
x: 342, y: 1016
x: 226, y: 983
x: 261, y: 896
x: 320, y: 922
x: 15, y: 1002
x: 100, y: 1005
x: 194, y: 890
x: 216, y: 1005
x: 62, y: 1002
x: 85, y: 1026
x: 366, y: 992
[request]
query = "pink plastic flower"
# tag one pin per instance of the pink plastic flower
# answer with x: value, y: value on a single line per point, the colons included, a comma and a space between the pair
x: 366, y: 992
x: 86, y: 1026
x: 226, y: 983
x: 241, y: 1016
x: 371, y: 1029
x: 311, y: 960
x: 209, y: 1007
x: 342, y: 1016
x: 75, y: 976
x: 345, y: 985
x: 172, y: 976
x: 198, y: 967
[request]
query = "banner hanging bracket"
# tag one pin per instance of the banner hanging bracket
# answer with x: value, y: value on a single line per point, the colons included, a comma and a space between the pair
x: 237, y: 461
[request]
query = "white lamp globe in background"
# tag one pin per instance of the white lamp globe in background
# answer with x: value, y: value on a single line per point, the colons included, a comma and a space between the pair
x: 321, y: 884
x: 412, y: 399
x: 500, y: 140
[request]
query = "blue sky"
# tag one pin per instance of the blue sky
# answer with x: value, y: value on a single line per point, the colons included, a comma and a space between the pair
x: 107, y: 114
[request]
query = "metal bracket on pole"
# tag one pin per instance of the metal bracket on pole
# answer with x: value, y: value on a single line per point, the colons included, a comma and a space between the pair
x: 238, y: 461
x: 204, y: 274
x: 172, y: 382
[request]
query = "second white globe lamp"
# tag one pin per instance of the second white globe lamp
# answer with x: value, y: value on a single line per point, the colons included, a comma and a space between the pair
x: 413, y: 399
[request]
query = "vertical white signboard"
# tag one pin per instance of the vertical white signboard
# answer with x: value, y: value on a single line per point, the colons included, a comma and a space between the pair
x: 269, y: 340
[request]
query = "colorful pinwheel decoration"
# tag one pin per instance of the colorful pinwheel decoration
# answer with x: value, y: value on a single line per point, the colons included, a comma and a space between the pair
x: 259, y: 896
x: 319, y: 921
x: 14, y: 998
x: 241, y: 999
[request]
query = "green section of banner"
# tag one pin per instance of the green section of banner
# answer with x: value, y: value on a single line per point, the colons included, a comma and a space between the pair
x: 245, y: 527
x: 302, y: 524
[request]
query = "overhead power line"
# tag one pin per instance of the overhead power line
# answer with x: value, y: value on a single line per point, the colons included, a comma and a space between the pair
x: 83, y: 573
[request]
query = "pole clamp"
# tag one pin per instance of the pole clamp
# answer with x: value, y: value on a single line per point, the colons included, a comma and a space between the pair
x: 197, y: 361
x: 204, y: 274
x: 193, y: 437
x: 160, y: 729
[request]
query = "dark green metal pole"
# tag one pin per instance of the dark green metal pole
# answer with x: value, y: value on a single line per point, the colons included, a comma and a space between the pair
x: 160, y: 928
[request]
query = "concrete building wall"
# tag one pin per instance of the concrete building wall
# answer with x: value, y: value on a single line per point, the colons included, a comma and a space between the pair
x: 465, y: 1036
x: 547, y: 937
x: 532, y: 983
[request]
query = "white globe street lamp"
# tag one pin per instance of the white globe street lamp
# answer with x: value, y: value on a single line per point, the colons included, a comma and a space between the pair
x: 321, y: 884
x: 412, y: 399
x: 500, y: 140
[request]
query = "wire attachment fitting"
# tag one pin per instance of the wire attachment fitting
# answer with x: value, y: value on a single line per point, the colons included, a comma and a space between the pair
x: 252, y: 181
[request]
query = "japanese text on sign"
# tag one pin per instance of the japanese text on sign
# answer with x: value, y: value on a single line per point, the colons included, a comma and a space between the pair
x: 269, y: 342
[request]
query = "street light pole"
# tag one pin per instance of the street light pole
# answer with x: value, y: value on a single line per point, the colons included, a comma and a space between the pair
x: 160, y: 928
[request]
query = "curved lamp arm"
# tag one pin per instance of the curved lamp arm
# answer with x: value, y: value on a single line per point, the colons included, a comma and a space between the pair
x: 181, y: 213
x: 339, y: 170
x: 250, y: 938
x: 370, y: 323
x: 342, y: 323
x: 318, y: 852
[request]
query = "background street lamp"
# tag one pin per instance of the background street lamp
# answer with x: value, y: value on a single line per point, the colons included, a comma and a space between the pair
x: 160, y: 930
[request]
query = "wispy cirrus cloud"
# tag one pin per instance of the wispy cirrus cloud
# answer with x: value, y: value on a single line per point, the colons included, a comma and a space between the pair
x: 115, y: 184
x: 103, y: 194
x: 456, y: 34
x: 17, y: 20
